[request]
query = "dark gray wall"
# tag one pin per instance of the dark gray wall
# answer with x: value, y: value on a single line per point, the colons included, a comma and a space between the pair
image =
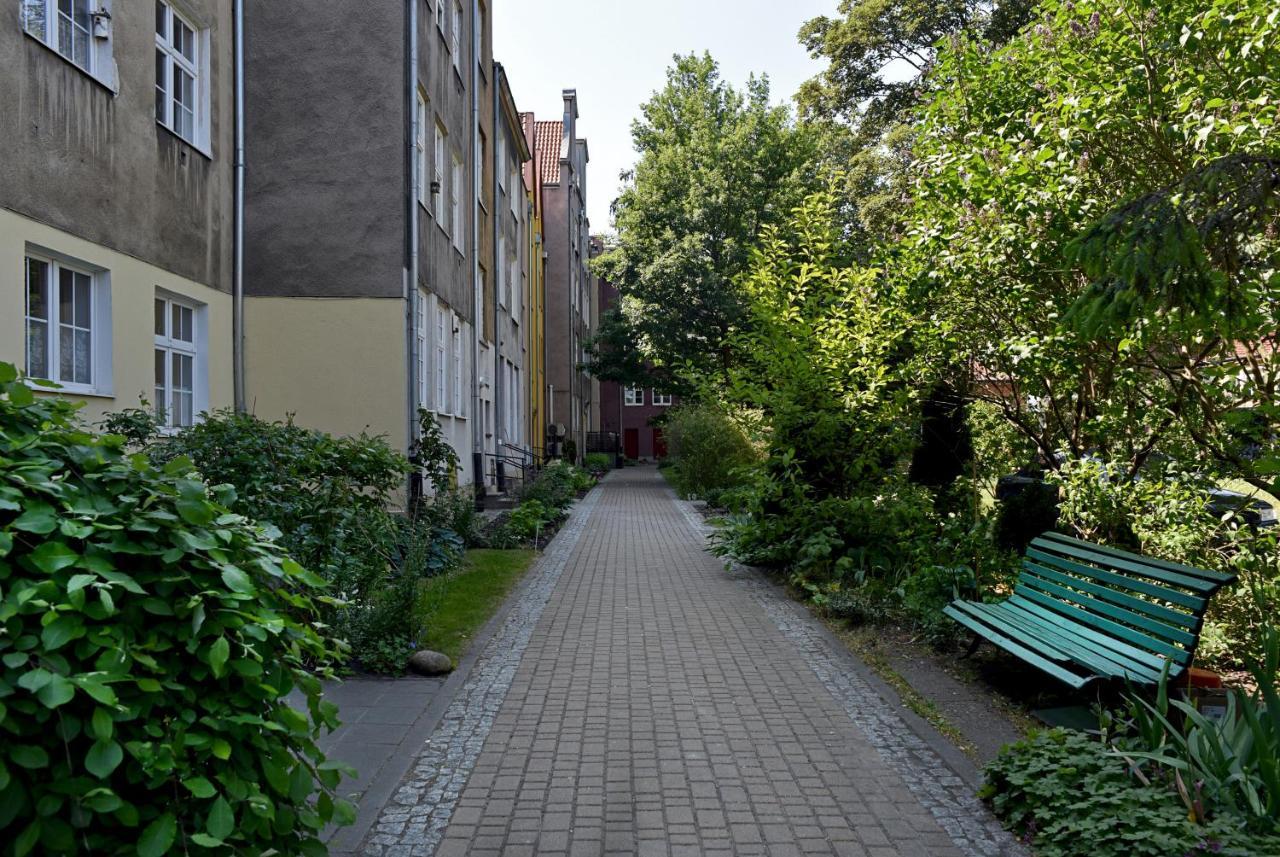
x: 325, y: 148
x: 96, y: 164
x: 441, y: 268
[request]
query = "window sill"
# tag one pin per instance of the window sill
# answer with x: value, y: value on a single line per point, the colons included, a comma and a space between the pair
x: 195, y: 147
x: 61, y: 389
x: 106, y: 83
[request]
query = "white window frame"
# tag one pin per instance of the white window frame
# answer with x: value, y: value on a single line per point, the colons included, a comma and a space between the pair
x: 440, y: 22
x: 458, y: 403
x: 513, y: 266
x: 633, y: 397
x: 196, y: 67
x: 420, y: 337
x: 442, y: 360
x: 455, y: 36
x: 501, y: 162
x: 500, y: 281
x: 442, y: 135
x: 455, y: 202
x: 99, y: 329
x: 662, y: 400
x: 420, y: 149
x: 195, y: 349
x: 44, y: 27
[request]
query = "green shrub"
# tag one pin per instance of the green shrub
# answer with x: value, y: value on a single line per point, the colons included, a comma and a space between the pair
x: 556, y: 485
x: 148, y: 638
x: 531, y: 517
x: 1069, y: 796
x: 707, y: 449
x: 598, y: 462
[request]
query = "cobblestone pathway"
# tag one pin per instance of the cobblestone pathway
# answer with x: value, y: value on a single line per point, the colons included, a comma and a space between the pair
x: 640, y: 700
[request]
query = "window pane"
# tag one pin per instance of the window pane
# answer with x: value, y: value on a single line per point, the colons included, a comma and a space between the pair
x: 66, y: 354
x: 38, y: 349
x: 183, y: 103
x: 66, y: 295
x: 37, y: 289
x: 162, y: 20
x: 83, y: 374
x: 160, y: 315
x: 185, y: 324
x: 161, y: 385
x: 83, y: 300
x: 34, y: 20
x: 184, y: 40
x: 162, y: 85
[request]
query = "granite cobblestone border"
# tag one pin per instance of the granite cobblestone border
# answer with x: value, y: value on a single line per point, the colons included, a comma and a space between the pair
x: 946, y: 795
x: 413, y: 822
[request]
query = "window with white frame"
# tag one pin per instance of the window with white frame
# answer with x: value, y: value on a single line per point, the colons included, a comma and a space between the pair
x: 180, y: 90
x: 633, y: 396
x: 438, y: 175
x: 420, y: 337
x: 455, y: 202
x: 501, y: 162
x: 455, y: 40
x: 68, y: 318
x: 513, y: 277
x: 420, y: 148
x: 662, y: 399
x: 68, y: 26
x: 177, y: 359
x: 517, y: 191
x: 440, y: 14
x: 500, y: 282
x: 441, y: 367
x: 457, y: 366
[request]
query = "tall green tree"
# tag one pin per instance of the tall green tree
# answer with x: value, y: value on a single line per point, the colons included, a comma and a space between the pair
x: 716, y: 165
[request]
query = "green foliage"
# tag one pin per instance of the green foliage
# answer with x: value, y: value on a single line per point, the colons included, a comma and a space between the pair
x: 556, y: 485
x: 529, y: 519
x: 432, y: 455
x: 149, y: 638
x: 715, y: 165
x: 328, y: 496
x: 708, y: 448
x: 597, y: 462
x: 1069, y: 795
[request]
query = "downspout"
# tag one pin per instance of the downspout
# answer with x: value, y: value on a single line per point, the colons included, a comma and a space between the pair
x: 237, y: 233
x: 477, y: 180
x: 498, y: 363
x: 413, y: 191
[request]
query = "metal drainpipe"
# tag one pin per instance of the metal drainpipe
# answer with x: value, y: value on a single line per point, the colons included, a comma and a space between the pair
x: 477, y: 411
x: 411, y: 225
x: 237, y: 235
x: 497, y: 266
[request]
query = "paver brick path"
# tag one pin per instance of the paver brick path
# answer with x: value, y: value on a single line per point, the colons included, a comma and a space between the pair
x: 657, y: 705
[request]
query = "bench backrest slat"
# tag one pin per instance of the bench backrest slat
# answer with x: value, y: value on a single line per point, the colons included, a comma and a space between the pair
x: 1192, y: 601
x: 1218, y: 578
x: 1164, y: 614
x: 1169, y: 633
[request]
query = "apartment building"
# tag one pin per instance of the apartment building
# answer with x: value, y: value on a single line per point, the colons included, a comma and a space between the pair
x: 362, y: 273
x: 563, y: 158
x: 535, y: 298
x: 117, y: 221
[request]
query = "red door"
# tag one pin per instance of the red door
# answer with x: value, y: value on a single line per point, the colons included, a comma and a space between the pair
x: 631, y: 443
x: 659, y: 444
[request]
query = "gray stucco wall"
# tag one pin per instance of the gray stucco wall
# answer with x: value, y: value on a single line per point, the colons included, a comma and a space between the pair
x: 325, y: 149
x: 96, y: 164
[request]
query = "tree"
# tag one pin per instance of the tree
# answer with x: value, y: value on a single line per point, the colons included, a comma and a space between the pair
x: 716, y: 164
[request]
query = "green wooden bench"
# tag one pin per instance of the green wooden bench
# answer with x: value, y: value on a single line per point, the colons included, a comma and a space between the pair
x: 1082, y: 611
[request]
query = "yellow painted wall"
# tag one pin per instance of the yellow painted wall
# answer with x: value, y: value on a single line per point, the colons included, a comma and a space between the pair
x: 337, y: 364
x: 133, y: 291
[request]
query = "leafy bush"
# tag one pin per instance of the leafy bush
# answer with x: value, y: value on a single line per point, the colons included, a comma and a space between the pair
x: 707, y: 448
x: 329, y: 496
x: 530, y: 518
x: 598, y: 462
x: 1069, y: 795
x: 556, y: 485
x: 149, y: 637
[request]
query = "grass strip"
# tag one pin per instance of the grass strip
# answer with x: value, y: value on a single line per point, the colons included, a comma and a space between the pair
x: 455, y: 606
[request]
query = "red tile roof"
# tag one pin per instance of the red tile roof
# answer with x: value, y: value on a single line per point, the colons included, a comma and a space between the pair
x: 548, y: 137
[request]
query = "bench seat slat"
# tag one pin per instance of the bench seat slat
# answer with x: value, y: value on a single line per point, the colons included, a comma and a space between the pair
x: 1078, y: 647
x: 1125, y: 564
x: 1132, y: 602
x: 1078, y: 599
x: 1138, y: 659
x: 1043, y: 664
x: 1220, y: 578
x: 1103, y: 624
x: 1191, y: 602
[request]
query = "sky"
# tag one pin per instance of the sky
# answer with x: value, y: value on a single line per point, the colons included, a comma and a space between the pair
x: 615, y: 54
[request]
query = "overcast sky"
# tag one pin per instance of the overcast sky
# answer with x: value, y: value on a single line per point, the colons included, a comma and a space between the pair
x: 615, y: 53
